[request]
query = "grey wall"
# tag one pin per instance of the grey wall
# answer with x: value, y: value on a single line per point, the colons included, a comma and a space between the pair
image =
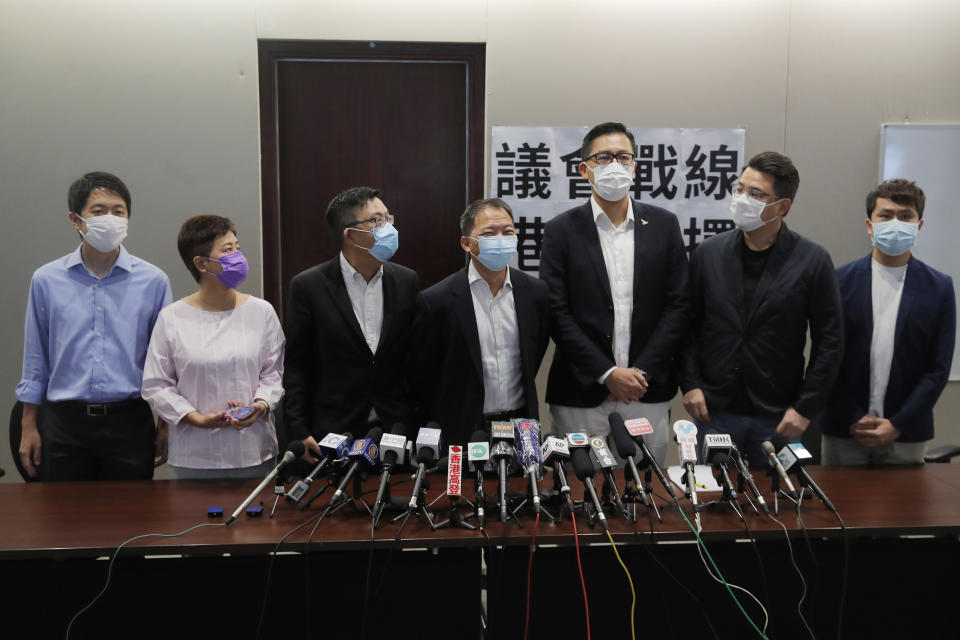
x: 165, y: 94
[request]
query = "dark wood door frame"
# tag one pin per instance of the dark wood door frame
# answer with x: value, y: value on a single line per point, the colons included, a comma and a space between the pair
x: 272, y: 52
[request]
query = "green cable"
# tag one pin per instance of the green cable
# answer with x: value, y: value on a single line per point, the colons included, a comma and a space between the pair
x: 715, y: 568
x: 114, y: 558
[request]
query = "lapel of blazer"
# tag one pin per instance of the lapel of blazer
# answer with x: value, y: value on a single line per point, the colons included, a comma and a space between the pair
x: 390, y: 295
x: 778, y: 257
x: 907, y: 299
x: 641, y: 242
x: 463, y: 306
x: 341, y: 299
x: 526, y: 317
x: 587, y: 228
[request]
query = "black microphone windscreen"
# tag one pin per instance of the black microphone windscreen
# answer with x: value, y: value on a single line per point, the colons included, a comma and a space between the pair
x: 425, y: 456
x: 624, y: 443
x: 721, y: 458
x: 779, y: 441
x: 398, y: 429
x: 479, y: 436
x: 297, y: 448
x: 375, y: 434
x: 433, y: 424
x: 442, y: 464
x: 582, y: 465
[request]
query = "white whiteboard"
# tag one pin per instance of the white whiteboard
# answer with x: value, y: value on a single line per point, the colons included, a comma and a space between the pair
x: 930, y: 155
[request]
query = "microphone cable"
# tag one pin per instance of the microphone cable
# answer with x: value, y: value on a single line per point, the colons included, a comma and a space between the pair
x: 729, y: 587
x: 113, y: 560
x: 843, y: 579
x: 533, y: 542
x: 583, y: 584
x: 633, y: 593
x: 273, y: 559
x: 803, y: 582
x: 813, y: 559
x: 756, y: 551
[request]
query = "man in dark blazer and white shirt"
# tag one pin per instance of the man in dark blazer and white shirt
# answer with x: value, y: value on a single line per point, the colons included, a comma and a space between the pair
x: 481, y: 332
x: 617, y: 273
x: 348, y: 328
x: 900, y: 323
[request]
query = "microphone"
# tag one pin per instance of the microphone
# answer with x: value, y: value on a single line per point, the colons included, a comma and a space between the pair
x: 607, y: 463
x: 777, y: 468
x: 716, y: 453
x: 502, y: 451
x: 364, y: 451
x: 454, y: 462
x: 554, y: 452
x: 685, y: 435
x: 333, y: 446
x: 744, y: 472
x: 637, y: 428
x: 528, y: 453
x: 792, y: 456
x: 427, y: 450
x: 583, y: 467
x: 627, y: 449
x: 392, y: 448
x: 294, y: 450
x: 478, y: 453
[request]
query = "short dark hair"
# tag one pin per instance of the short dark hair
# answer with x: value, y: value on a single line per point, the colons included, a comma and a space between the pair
x: 786, y: 178
x: 602, y: 130
x: 469, y: 216
x: 196, y: 238
x: 903, y: 192
x: 80, y: 190
x: 340, y: 211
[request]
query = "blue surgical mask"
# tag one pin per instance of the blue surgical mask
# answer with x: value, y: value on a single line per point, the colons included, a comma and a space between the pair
x: 895, y: 237
x: 496, y: 252
x: 385, y: 243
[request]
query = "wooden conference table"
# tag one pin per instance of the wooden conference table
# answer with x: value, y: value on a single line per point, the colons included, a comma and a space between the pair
x: 903, y: 558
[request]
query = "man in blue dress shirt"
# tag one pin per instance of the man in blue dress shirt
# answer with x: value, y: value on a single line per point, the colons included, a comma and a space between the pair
x: 88, y: 323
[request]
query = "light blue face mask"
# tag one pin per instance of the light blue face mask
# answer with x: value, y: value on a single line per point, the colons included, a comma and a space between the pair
x: 496, y: 252
x: 895, y: 237
x: 386, y: 241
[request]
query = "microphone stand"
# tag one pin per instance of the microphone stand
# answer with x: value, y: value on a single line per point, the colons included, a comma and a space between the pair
x: 279, y: 490
x: 422, y: 507
x: 333, y: 479
x: 454, y: 519
x: 528, y: 498
x: 635, y: 490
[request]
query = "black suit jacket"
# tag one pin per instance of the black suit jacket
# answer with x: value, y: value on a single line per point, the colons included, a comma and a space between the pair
x: 449, y: 372
x: 762, y: 347
x: 922, y: 350
x: 331, y: 378
x: 571, y: 263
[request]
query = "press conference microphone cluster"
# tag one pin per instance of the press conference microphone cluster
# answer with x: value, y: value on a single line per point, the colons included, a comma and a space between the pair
x: 294, y: 450
x: 792, y: 456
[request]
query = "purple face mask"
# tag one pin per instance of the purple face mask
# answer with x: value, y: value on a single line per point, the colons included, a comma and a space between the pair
x: 234, y: 270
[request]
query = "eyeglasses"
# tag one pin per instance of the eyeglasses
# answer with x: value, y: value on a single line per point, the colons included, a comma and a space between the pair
x: 378, y: 221
x: 605, y: 157
x: 756, y: 194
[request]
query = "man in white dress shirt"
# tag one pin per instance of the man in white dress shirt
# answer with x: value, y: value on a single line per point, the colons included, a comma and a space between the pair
x: 481, y: 332
x: 617, y: 273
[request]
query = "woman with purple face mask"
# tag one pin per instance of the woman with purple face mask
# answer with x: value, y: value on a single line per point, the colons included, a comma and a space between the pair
x: 214, y: 367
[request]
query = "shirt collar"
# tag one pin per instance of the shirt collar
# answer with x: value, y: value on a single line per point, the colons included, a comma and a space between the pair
x: 597, y: 212
x: 349, y: 273
x: 124, y: 260
x: 473, y: 276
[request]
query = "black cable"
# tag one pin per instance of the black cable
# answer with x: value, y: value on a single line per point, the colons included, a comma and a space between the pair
x: 366, y: 584
x: 756, y: 550
x: 273, y: 558
x: 803, y: 582
x: 816, y: 565
x: 843, y: 582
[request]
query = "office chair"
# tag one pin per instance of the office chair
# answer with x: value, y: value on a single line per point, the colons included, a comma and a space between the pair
x: 942, y: 453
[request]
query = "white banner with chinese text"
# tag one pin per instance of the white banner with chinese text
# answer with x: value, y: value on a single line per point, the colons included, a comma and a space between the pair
x: 688, y: 172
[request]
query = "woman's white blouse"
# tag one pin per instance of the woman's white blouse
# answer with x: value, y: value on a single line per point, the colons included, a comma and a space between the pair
x: 201, y: 360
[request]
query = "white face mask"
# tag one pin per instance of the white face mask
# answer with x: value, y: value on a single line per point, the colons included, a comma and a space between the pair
x: 746, y: 211
x: 106, y: 232
x: 612, y: 181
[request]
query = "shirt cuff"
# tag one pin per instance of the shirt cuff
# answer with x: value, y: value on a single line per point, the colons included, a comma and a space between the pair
x: 603, y: 378
x: 31, y: 391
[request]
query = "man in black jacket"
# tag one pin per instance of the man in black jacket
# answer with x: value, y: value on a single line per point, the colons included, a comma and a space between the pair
x: 481, y: 333
x: 348, y: 327
x: 755, y: 292
x: 617, y: 273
